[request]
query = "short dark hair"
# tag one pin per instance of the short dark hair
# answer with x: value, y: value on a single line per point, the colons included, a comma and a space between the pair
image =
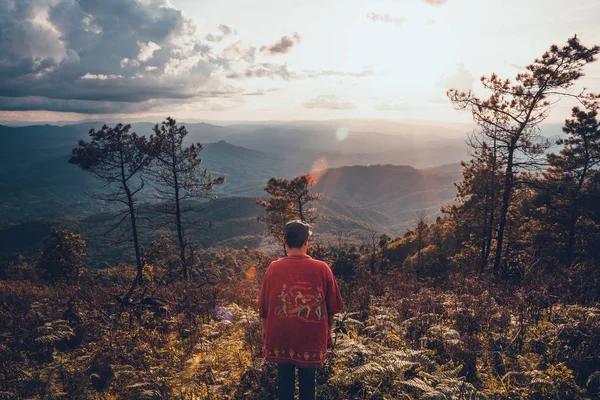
x: 296, y: 233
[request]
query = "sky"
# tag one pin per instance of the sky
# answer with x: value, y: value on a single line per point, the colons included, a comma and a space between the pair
x: 266, y: 60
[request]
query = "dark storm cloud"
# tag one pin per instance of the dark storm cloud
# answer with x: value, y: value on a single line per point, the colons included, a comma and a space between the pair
x: 77, y: 106
x: 36, y: 103
x: 95, y: 56
x: 282, y: 46
x: 100, y: 51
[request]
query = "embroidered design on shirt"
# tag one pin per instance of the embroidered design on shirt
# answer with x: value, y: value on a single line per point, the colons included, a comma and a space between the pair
x: 319, y: 303
x: 307, y: 303
x: 285, y: 300
x: 308, y: 357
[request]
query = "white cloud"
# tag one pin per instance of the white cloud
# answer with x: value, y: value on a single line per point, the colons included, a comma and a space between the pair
x: 386, y: 18
x: 127, y: 62
x: 101, y: 77
x: 147, y: 50
x: 329, y: 101
x: 180, y: 66
x: 460, y: 79
x: 225, y: 31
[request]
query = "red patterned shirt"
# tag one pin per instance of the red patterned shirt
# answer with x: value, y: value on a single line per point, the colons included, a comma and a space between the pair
x: 298, y: 294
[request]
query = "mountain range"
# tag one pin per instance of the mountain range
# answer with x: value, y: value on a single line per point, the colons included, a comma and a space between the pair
x: 364, y: 176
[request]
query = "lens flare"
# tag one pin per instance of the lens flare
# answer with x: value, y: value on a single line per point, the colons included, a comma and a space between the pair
x: 251, y: 273
x: 342, y: 134
x: 319, y: 167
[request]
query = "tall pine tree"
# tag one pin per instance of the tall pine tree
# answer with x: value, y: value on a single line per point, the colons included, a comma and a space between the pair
x: 180, y: 182
x: 572, y: 174
x: 511, y: 115
x: 118, y: 157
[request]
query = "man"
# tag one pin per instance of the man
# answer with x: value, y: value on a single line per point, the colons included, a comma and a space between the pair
x: 293, y: 336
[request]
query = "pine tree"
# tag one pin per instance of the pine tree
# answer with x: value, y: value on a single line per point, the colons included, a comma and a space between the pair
x: 61, y: 256
x: 289, y: 200
x: 477, y: 199
x: 572, y: 171
x: 420, y: 229
x: 179, y: 180
x: 512, y: 114
x: 118, y: 158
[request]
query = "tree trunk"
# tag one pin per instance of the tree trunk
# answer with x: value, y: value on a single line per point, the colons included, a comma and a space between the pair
x: 180, y: 231
x: 575, y: 209
x: 138, y: 257
x: 419, y: 258
x: 484, y: 242
x: 508, y: 176
x: 490, y: 223
x: 300, y: 211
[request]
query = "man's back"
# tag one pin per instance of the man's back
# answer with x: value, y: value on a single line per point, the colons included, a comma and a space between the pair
x: 297, y: 297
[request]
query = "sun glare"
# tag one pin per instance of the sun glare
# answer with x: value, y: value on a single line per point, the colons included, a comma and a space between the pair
x: 342, y: 134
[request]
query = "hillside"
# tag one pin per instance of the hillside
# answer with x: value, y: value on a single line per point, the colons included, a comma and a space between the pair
x: 36, y: 180
x: 357, y: 200
x: 39, y: 188
x: 396, y: 192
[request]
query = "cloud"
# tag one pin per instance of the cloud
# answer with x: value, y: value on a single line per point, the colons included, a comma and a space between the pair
x: 264, y: 70
x: 85, y: 56
x: 147, y: 50
x: 386, y: 18
x: 237, y: 51
x: 461, y: 79
x: 60, y: 54
x: 393, y: 106
x: 101, y: 77
x: 366, y: 71
x: 260, y: 92
x: 127, y: 62
x: 224, y: 32
x: 282, y: 46
x: 182, y: 66
x: 77, y: 106
x: 330, y: 102
x: 435, y: 2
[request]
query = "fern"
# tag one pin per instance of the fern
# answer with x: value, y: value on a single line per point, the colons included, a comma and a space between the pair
x: 53, y: 332
x: 593, y: 381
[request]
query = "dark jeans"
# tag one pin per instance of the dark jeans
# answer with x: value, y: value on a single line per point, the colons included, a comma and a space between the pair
x: 307, y: 380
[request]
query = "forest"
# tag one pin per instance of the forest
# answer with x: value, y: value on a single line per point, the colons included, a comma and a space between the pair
x: 498, y: 297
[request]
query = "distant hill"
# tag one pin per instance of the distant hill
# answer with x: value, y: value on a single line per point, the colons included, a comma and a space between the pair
x: 396, y: 193
x: 37, y: 181
x: 39, y: 188
x: 246, y: 171
x: 357, y: 200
